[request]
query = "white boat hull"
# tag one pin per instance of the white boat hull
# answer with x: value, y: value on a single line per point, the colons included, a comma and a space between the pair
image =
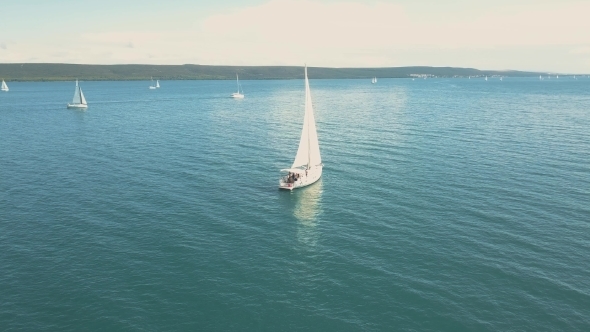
x: 77, y: 106
x: 237, y: 95
x: 152, y: 88
x: 305, y: 180
x: 4, y: 89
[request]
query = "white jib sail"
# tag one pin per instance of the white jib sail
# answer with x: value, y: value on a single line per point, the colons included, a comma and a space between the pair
x: 4, y: 86
x: 82, y: 99
x: 308, y: 154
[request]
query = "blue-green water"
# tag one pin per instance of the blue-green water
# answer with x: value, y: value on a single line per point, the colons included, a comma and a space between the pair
x: 445, y: 204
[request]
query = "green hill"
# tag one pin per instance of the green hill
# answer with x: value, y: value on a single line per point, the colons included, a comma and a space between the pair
x: 62, y: 72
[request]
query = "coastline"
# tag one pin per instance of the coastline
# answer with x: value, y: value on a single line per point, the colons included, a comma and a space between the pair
x: 47, y: 72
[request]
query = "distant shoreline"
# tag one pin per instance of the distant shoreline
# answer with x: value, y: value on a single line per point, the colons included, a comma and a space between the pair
x: 43, y: 72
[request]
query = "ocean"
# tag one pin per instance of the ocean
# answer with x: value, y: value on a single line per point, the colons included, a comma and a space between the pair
x: 444, y: 205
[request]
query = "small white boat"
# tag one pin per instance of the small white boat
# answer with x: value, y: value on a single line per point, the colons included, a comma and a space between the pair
x: 374, y: 80
x: 154, y: 87
x: 486, y: 78
x: 79, y: 101
x: 238, y: 95
x: 307, y: 167
x: 4, y: 86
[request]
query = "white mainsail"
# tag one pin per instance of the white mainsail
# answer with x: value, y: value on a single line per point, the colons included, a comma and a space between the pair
x: 308, y: 154
x: 4, y: 86
x: 157, y: 83
x: 77, y: 99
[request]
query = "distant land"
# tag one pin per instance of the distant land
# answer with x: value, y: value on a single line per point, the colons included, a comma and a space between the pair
x: 68, y: 72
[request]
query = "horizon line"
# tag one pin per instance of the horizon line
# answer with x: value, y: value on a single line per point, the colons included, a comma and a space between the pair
x: 294, y: 66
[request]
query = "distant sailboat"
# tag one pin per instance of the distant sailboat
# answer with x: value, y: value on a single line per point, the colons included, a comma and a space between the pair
x: 238, y: 95
x: 500, y: 78
x: 540, y: 78
x: 374, y: 80
x: 486, y: 78
x: 4, y: 86
x: 153, y: 87
x: 307, y: 167
x: 79, y: 101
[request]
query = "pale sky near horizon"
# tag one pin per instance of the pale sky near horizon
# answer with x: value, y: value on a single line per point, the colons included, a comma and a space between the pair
x: 539, y: 35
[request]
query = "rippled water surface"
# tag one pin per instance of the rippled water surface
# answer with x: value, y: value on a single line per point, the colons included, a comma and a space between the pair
x: 445, y: 205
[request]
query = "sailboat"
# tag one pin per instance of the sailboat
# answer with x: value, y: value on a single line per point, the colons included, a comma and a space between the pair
x: 307, y: 167
x: 79, y: 101
x: 486, y: 78
x: 4, y: 86
x: 238, y: 95
x: 153, y: 87
x: 374, y: 80
x: 157, y: 84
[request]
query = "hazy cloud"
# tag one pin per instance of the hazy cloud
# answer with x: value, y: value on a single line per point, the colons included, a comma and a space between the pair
x: 60, y: 54
x: 581, y: 50
x: 506, y: 35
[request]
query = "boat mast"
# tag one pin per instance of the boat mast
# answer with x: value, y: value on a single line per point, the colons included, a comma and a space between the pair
x: 306, y: 101
x: 77, y: 94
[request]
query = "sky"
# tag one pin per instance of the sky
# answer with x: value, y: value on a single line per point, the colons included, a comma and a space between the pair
x: 540, y: 35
